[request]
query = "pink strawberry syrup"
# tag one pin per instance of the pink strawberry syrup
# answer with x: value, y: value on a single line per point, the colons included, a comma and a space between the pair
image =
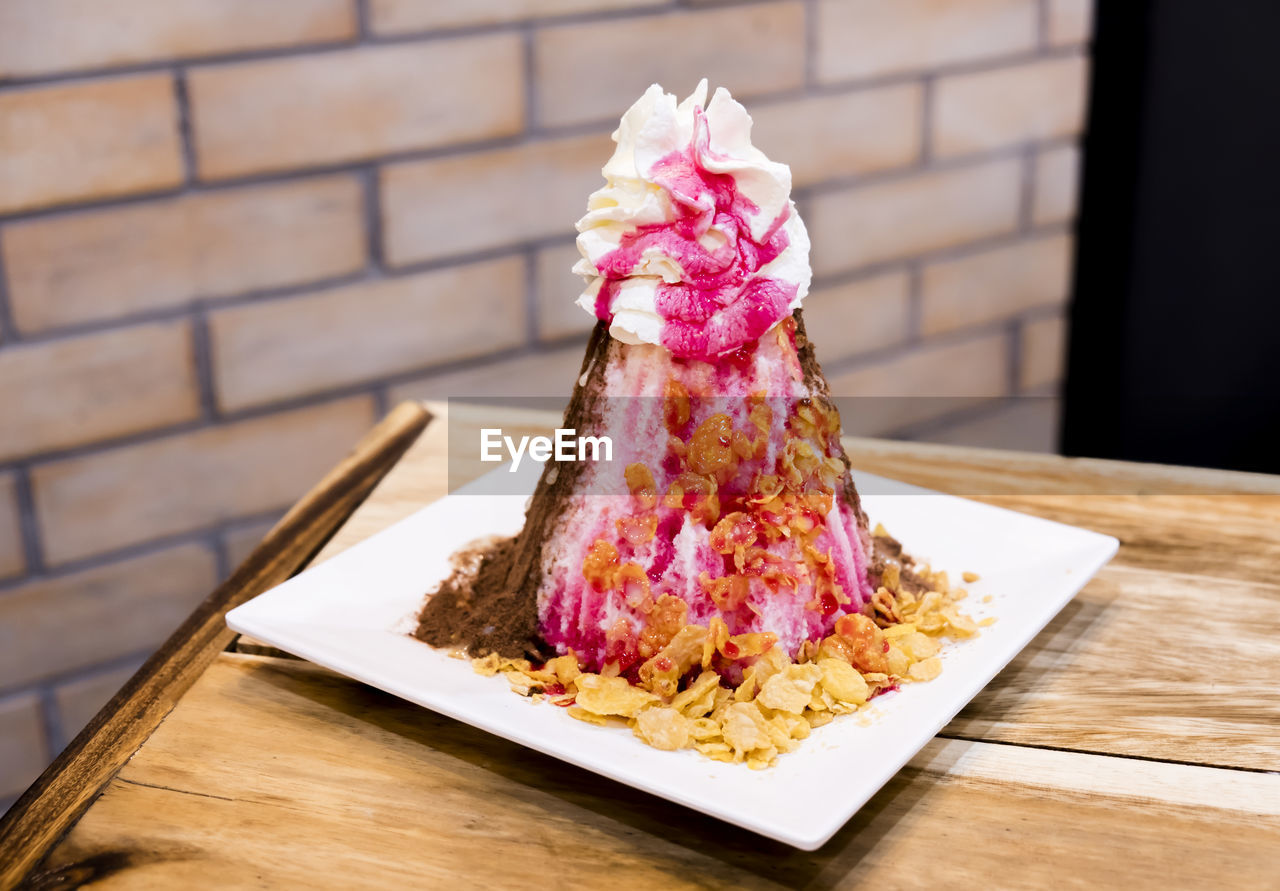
x: 722, y: 303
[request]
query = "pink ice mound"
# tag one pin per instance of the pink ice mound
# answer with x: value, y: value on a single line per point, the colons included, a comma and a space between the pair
x: 740, y: 509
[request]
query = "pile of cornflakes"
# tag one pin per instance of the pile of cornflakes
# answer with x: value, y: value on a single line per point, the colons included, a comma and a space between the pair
x: 778, y: 701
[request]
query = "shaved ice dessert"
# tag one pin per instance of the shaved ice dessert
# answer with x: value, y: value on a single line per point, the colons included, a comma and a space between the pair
x: 715, y: 583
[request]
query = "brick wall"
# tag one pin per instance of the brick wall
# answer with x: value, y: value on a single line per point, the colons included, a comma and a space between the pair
x: 233, y: 232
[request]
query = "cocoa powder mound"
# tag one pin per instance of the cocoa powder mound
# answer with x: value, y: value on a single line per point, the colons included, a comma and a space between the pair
x: 887, y: 551
x: 475, y: 610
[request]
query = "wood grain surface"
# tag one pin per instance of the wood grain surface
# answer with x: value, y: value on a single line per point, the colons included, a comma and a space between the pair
x: 1133, y: 743
x: 318, y: 781
x: 65, y: 789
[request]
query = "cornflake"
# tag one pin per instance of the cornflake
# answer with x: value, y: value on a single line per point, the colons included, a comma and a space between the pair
x: 611, y: 696
x: 843, y: 682
x: 778, y: 702
x: 486, y: 665
x: 664, y: 728
x: 790, y: 689
x: 700, y: 698
x: 583, y: 715
x: 926, y: 670
x: 745, y: 728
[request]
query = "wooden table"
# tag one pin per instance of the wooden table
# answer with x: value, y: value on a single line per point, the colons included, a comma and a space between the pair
x: 1134, y: 743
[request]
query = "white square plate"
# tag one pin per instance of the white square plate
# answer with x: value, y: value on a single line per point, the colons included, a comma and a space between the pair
x: 353, y: 613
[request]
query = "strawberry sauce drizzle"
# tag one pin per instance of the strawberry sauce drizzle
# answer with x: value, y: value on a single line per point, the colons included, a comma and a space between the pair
x: 721, y: 303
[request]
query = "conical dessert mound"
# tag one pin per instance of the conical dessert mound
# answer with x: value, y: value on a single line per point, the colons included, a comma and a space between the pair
x: 727, y: 503
x: 713, y: 582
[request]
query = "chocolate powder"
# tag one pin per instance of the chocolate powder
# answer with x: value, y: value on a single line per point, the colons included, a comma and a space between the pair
x: 887, y: 551
x: 476, y: 611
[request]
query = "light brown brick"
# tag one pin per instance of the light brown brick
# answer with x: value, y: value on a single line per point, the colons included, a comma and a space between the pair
x: 919, y: 384
x: 263, y: 352
x: 973, y: 367
x: 331, y: 107
x: 109, y: 263
x: 448, y: 206
x: 840, y: 135
x: 57, y: 625
x: 995, y: 284
x: 46, y: 36
x: 12, y: 561
x: 240, y: 540
x: 1021, y: 103
x: 87, y: 140
x: 550, y: 374
x: 871, y: 38
x: 83, y: 389
x: 1070, y: 22
x: 594, y: 71
x: 1057, y: 185
x: 912, y: 215
x: 23, y: 749
x: 557, y: 289
x: 1043, y: 353
x: 79, y: 700
x: 400, y: 16
x: 859, y: 316
x: 132, y: 494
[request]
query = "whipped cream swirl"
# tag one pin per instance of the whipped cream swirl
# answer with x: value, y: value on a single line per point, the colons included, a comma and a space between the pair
x: 693, y: 243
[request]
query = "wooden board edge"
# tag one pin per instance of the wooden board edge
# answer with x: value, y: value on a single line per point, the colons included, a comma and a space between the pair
x: 57, y: 799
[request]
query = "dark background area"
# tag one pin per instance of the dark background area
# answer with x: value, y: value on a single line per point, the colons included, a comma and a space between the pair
x: 1174, y: 351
